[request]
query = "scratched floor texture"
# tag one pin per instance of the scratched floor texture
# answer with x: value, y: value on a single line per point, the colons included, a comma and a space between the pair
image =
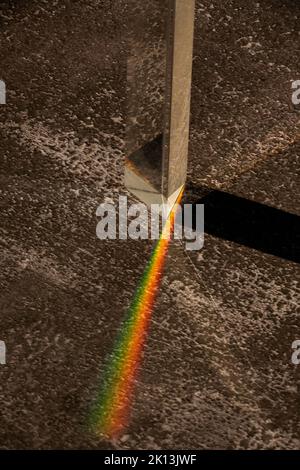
x: 216, y: 369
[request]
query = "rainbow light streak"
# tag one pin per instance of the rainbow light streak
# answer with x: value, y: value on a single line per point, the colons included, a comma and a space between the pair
x: 110, y: 413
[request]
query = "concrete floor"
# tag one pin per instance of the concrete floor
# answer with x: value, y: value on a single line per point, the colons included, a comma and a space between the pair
x: 217, y: 369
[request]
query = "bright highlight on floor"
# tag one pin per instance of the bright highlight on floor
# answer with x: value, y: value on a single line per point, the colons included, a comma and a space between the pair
x: 110, y: 413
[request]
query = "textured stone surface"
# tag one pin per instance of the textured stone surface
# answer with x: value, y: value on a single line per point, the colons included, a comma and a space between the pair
x: 217, y: 369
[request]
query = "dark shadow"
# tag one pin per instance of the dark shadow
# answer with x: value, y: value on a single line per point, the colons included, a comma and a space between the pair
x: 249, y: 223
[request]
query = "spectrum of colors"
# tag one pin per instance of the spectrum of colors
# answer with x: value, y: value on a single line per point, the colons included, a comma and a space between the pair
x: 111, y: 411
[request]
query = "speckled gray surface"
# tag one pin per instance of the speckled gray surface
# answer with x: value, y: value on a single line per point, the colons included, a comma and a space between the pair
x: 217, y: 369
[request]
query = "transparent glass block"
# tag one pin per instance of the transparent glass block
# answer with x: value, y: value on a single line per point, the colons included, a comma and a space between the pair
x: 159, y: 71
